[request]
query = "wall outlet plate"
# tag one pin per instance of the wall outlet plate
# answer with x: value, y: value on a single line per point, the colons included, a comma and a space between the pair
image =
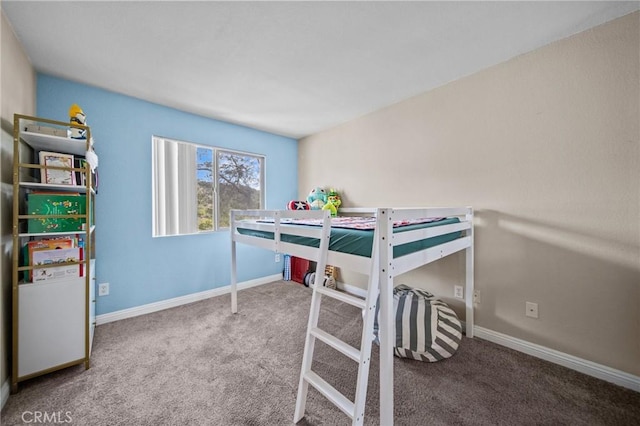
x: 458, y: 292
x: 531, y: 309
x: 477, y: 297
x: 103, y: 289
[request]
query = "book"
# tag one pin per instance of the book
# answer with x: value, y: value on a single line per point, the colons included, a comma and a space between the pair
x: 53, y: 259
x: 57, y: 176
x: 81, y: 177
x: 46, y: 130
x: 44, y: 244
x: 56, y: 203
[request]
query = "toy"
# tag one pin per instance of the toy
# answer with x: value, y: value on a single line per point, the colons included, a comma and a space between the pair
x: 76, y: 116
x: 317, y: 198
x: 333, y: 202
x: 298, y: 205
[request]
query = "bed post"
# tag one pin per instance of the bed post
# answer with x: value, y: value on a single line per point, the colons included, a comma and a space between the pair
x: 383, y: 262
x: 469, y: 284
x: 234, y: 277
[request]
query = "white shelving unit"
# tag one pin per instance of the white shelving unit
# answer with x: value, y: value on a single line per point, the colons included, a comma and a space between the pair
x: 53, y: 320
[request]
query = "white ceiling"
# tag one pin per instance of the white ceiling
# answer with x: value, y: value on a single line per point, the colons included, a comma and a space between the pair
x: 291, y: 68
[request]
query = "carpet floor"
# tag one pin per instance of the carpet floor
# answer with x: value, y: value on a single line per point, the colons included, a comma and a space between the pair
x: 198, y: 364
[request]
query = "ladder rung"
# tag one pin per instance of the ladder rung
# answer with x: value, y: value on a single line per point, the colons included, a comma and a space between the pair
x: 343, y: 297
x: 329, y: 392
x: 336, y: 344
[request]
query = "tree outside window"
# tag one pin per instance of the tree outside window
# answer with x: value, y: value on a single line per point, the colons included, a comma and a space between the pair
x: 239, y: 183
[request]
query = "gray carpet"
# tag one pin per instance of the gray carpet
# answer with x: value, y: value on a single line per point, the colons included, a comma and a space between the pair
x: 200, y: 365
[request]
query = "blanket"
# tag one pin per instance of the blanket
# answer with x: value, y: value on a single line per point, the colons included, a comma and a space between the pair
x: 353, y: 222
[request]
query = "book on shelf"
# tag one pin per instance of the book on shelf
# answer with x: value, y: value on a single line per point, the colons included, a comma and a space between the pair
x: 52, y: 259
x: 81, y: 177
x: 57, y: 176
x: 46, y: 130
x: 56, y: 203
x: 47, y: 243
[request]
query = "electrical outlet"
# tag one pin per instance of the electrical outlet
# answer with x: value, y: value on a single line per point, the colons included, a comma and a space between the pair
x: 277, y: 257
x: 103, y: 289
x: 476, y: 297
x: 458, y: 292
x: 531, y: 309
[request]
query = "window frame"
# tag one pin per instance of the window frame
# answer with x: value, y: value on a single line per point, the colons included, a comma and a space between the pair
x: 215, y: 151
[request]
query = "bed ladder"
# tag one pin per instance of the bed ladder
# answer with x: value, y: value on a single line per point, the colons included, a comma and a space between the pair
x: 353, y: 409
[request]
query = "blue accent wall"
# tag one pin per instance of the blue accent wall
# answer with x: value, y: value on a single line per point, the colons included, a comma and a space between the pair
x: 139, y: 268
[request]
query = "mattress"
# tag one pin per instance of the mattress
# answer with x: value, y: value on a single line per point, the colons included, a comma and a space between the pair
x: 360, y: 241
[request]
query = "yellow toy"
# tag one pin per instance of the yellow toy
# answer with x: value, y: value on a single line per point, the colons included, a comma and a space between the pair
x: 333, y: 202
x: 76, y: 116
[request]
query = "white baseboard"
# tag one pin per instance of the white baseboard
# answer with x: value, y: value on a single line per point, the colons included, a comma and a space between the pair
x: 582, y: 365
x: 182, y: 300
x: 357, y: 291
x: 590, y: 368
x: 4, y: 393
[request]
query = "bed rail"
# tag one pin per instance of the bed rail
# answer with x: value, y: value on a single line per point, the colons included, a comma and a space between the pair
x: 411, y: 261
x: 273, y: 224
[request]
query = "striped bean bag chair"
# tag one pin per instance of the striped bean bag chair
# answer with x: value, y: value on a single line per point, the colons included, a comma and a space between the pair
x: 427, y: 329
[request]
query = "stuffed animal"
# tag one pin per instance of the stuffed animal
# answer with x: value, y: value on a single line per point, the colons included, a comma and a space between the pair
x: 317, y: 198
x: 76, y: 116
x: 333, y: 202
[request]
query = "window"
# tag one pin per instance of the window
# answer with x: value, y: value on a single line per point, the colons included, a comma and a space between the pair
x: 195, y: 186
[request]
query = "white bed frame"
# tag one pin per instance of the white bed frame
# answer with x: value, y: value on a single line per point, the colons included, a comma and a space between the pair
x: 380, y: 266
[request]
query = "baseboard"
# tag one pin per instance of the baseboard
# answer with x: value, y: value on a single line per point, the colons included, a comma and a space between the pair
x: 182, y: 300
x: 4, y: 393
x: 590, y: 368
x: 357, y: 291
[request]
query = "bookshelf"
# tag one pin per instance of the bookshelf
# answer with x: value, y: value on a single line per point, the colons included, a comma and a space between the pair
x: 53, y: 290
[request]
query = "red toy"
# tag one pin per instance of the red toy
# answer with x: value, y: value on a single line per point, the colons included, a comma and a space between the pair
x: 298, y: 205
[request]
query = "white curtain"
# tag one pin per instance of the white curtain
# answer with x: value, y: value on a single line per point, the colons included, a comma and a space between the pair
x: 174, y: 175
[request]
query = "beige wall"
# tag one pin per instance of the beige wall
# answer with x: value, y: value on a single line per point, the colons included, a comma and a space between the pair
x: 546, y: 148
x: 18, y: 95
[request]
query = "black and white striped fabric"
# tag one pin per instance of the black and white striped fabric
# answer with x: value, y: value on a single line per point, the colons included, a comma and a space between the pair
x: 427, y: 329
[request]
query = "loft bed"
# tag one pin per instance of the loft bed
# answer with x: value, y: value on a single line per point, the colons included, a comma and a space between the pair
x: 381, y: 243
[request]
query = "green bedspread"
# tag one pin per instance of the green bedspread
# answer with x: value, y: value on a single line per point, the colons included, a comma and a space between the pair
x: 359, y: 242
